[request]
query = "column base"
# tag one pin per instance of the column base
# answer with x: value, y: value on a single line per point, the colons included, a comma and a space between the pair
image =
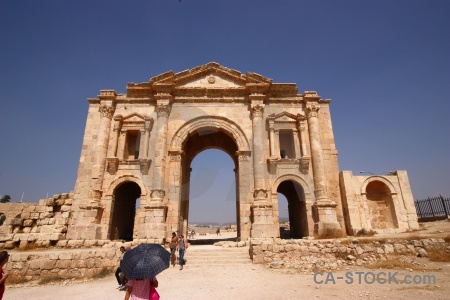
x: 263, y: 225
x: 327, y: 224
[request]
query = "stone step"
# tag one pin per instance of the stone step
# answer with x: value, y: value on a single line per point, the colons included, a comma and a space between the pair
x: 218, y: 256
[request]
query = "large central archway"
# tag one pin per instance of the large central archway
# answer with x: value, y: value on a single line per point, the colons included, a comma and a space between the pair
x: 201, y: 134
x: 203, y: 139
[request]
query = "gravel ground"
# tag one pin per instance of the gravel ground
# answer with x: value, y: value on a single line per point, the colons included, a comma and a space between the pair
x: 259, y: 282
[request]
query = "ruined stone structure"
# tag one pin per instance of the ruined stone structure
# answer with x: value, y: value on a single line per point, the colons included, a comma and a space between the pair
x: 141, y: 145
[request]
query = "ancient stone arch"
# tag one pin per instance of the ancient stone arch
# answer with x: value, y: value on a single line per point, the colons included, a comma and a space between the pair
x: 216, y: 122
x: 304, y: 218
x: 126, y: 178
x: 145, y: 139
x: 379, y: 196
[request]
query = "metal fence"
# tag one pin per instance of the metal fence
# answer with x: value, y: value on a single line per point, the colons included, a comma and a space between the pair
x: 433, y: 208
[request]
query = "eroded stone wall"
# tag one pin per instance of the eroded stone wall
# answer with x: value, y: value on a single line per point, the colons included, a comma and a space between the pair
x: 40, y: 224
x: 311, y: 255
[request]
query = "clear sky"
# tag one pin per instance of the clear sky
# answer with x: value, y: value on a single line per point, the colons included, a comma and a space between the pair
x: 384, y: 64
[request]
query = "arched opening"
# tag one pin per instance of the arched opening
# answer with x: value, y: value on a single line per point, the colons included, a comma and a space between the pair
x: 380, y: 205
x: 296, y: 210
x: 209, y: 182
x: 126, y: 198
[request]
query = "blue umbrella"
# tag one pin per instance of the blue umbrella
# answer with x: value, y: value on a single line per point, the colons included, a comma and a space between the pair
x: 145, y: 261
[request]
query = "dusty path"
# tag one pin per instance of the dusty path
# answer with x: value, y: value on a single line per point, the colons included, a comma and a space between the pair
x: 258, y: 282
x: 247, y: 282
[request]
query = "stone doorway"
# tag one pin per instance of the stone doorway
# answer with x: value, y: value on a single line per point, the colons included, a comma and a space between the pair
x: 124, y: 211
x: 298, y: 222
x: 197, y: 142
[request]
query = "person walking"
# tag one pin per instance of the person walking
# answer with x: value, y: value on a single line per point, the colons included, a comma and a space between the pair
x: 218, y: 231
x: 173, y: 248
x: 182, y: 247
x: 120, y: 281
x: 4, y: 258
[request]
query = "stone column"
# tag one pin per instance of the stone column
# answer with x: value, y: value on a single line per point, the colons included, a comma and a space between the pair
x: 277, y: 144
x: 301, y: 130
x: 158, y: 191
x: 258, y: 151
x: 157, y: 208
x: 272, y: 139
x: 263, y: 225
x: 112, y: 159
x: 107, y: 107
x: 148, y: 124
x: 325, y: 208
x: 316, y: 151
x: 296, y: 144
x: 112, y: 150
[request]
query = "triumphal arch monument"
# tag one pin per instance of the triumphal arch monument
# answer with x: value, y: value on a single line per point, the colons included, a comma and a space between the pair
x: 140, y: 145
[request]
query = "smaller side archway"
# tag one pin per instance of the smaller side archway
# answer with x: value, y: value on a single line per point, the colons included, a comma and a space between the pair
x: 299, y: 212
x: 380, y: 208
x: 123, y: 211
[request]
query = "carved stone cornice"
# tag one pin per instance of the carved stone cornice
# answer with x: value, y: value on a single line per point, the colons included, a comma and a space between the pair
x: 107, y: 95
x: 106, y: 111
x: 257, y: 88
x: 162, y: 88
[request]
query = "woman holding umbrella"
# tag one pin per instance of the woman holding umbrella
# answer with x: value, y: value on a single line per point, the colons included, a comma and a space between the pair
x: 139, y: 289
x: 141, y: 265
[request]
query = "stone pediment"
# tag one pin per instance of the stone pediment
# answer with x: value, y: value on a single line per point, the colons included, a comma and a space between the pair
x: 134, y: 118
x: 209, y: 81
x: 285, y: 117
x: 209, y: 76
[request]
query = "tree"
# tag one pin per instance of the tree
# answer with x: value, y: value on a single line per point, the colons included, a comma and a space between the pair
x: 5, y: 199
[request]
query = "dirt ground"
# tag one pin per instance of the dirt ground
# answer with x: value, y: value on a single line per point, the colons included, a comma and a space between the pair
x: 260, y: 282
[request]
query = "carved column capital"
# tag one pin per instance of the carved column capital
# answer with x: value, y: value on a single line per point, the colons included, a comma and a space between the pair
x: 148, y: 124
x: 312, y: 110
x: 260, y: 194
x: 157, y: 195
x: 257, y: 110
x: 106, y: 111
x: 163, y: 110
x: 243, y: 155
x: 176, y: 155
x: 117, y: 123
x: 112, y: 165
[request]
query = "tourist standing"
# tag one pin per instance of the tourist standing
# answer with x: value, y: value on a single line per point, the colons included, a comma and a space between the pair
x: 4, y: 258
x: 173, y: 248
x: 218, y: 230
x: 182, y: 247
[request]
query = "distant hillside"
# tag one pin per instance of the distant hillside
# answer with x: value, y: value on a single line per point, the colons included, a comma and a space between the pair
x: 211, y: 223
x: 225, y: 224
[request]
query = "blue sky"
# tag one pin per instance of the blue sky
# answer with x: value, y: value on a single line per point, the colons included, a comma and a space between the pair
x: 384, y: 64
